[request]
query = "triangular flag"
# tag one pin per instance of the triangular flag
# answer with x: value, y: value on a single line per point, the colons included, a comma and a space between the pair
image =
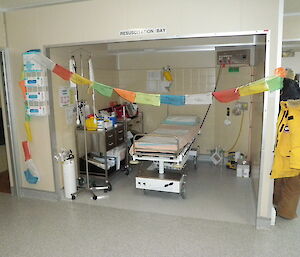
x: 127, y: 95
x: 226, y: 96
x: 152, y: 99
x: 103, y: 89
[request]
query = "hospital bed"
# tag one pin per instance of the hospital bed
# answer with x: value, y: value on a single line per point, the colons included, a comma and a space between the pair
x: 168, y: 147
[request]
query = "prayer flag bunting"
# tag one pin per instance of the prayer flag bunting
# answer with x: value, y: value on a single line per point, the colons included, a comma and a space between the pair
x: 172, y: 99
x: 103, y: 89
x: 62, y: 72
x: 199, y: 99
x: 270, y: 83
x: 256, y: 87
x: 226, y: 96
x: 127, y: 95
x: 142, y: 98
x: 274, y: 83
x: 79, y: 80
x: 44, y: 61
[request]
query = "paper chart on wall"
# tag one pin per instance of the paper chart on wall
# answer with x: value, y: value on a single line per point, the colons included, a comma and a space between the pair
x: 64, y: 97
x: 155, y: 83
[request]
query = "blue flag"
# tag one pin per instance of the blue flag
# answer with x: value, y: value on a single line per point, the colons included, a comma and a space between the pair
x: 172, y: 99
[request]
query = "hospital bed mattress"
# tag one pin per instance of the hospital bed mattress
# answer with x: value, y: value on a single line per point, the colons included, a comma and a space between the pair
x: 167, y: 138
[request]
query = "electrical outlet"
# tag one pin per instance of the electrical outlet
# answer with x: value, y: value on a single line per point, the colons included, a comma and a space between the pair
x: 243, y: 105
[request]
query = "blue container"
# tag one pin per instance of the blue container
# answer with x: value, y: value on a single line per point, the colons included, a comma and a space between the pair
x: 114, y: 120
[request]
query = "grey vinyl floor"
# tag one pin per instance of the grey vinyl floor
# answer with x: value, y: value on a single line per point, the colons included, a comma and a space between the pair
x: 159, y: 225
x: 40, y: 228
x: 212, y: 193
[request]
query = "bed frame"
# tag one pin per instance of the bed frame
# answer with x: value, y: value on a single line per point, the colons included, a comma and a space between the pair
x: 174, y: 160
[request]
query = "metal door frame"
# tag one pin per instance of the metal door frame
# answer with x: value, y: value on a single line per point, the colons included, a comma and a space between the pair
x: 11, y: 123
x: 264, y: 154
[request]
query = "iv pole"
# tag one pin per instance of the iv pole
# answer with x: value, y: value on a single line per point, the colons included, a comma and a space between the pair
x: 82, y: 105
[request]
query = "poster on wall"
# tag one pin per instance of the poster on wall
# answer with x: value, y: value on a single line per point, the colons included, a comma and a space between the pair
x: 64, y: 97
x: 70, y: 115
x: 155, y: 83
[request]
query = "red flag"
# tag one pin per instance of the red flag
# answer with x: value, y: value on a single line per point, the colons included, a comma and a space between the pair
x: 62, y: 72
x: 226, y: 96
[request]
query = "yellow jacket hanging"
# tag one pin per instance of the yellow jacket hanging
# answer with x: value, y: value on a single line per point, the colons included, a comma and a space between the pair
x: 287, y: 150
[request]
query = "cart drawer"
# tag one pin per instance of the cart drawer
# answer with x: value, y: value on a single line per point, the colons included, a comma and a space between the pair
x: 110, y: 140
x: 120, y: 139
x: 120, y: 130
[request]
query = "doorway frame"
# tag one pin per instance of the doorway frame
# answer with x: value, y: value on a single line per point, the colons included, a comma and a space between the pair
x: 265, y: 156
x: 10, y: 124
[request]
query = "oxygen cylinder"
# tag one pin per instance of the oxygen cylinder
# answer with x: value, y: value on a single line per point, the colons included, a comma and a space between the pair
x: 69, y: 177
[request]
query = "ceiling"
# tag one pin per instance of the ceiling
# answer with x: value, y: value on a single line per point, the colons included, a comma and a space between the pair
x: 9, y: 5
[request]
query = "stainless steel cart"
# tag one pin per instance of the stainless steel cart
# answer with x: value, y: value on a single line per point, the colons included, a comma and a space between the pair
x: 91, y: 143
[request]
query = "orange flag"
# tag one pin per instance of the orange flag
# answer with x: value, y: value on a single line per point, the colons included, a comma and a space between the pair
x: 281, y: 72
x: 23, y: 88
x: 127, y: 95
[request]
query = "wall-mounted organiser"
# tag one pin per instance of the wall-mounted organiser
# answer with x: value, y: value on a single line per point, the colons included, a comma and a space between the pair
x: 36, y: 85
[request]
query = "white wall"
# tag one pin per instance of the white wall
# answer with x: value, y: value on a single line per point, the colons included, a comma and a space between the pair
x: 193, y: 72
x: 2, y: 30
x: 291, y: 28
x: 292, y: 62
x: 103, y: 19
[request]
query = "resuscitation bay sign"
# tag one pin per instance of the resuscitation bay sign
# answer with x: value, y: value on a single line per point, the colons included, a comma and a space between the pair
x: 140, y: 32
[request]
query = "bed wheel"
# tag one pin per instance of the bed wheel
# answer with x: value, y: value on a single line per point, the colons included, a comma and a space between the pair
x: 182, y: 193
x: 80, y: 181
x: 109, y: 186
x: 127, y: 171
x: 73, y: 197
x: 195, y: 163
x: 94, y: 197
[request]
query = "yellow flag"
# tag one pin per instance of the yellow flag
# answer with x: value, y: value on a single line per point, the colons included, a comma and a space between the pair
x: 79, y: 80
x: 256, y: 87
x: 28, y: 131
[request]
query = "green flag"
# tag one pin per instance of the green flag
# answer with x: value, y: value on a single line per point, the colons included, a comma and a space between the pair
x: 103, y: 89
x: 274, y: 83
x: 152, y: 99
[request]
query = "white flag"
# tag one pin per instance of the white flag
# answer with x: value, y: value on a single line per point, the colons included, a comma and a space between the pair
x: 199, y: 99
x: 43, y: 61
